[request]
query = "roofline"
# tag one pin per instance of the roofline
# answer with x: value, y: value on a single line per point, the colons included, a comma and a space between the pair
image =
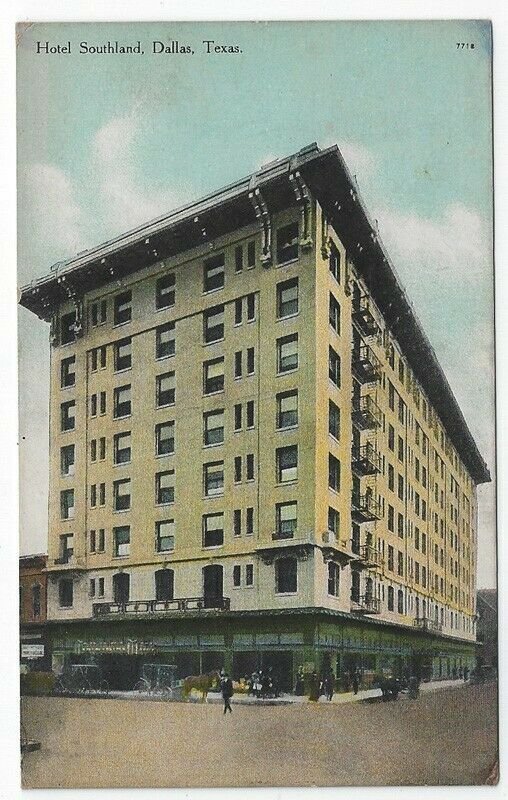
x: 309, y: 159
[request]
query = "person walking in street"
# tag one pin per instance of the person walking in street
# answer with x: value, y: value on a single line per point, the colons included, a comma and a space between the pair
x: 314, y: 688
x: 226, y: 688
x: 329, y: 685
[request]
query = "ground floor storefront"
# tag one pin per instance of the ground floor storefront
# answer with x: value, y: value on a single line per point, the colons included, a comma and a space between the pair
x: 305, y: 641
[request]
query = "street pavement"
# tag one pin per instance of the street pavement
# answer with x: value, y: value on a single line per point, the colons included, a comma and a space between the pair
x: 445, y: 737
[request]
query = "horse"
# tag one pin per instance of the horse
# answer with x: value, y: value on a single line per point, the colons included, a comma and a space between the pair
x: 203, y: 683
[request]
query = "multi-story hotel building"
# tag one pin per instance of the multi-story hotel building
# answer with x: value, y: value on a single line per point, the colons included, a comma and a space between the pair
x: 255, y: 456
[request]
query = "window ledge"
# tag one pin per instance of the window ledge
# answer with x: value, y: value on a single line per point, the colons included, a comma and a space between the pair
x: 212, y: 394
x: 287, y: 263
x: 212, y: 291
x: 287, y: 372
x: 287, y: 428
x: 214, y: 341
x: 121, y: 324
x: 164, y: 308
x: 286, y: 594
x: 124, y: 416
x: 163, y: 358
x: 164, y: 455
x: 120, y: 371
x: 213, y: 444
x: 288, y: 316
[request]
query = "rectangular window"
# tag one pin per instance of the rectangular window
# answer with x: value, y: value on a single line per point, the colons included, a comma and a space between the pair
x: 122, y: 495
x: 391, y: 519
x: 122, y: 401
x: 390, y: 558
x: 334, y: 262
x: 238, y: 258
x: 213, y: 530
x: 237, y: 522
x: 249, y: 522
x: 400, y: 526
x: 334, y: 314
x: 236, y: 575
x: 250, y: 466
x: 213, y: 427
x: 213, y: 273
x: 165, y: 438
x: 102, y: 404
x: 251, y: 254
x: 213, y: 324
x: 122, y: 540
x: 93, y: 450
x: 238, y: 311
x: 401, y: 370
x: 391, y: 438
x: 98, y: 313
x: 400, y: 487
x: 287, y: 243
x: 287, y: 353
x: 251, y: 307
x: 165, y: 291
x: 93, y: 541
x: 123, y: 354
x: 122, y: 448
x: 101, y: 541
x: 92, y: 587
x: 165, y: 341
x: 100, y: 589
x: 285, y: 520
x: 238, y: 364
x: 68, y: 416
x: 93, y: 495
x: 250, y: 413
x: 391, y: 396
x: 65, y: 592
x: 333, y: 521
x: 391, y: 478
x: 334, y: 367
x: 250, y: 361
x: 165, y: 389
x: 287, y: 409
x: 238, y: 469
x: 333, y: 420
x: 122, y: 308
x: 68, y: 328
x: 213, y: 376
x: 286, y: 576
x: 238, y: 417
x: 333, y: 579
x: 287, y: 298
x: 165, y: 487
x: 400, y: 563
x: 402, y: 408
x: 67, y: 504
x: 102, y: 448
x: 67, y: 460
x: 165, y: 536
x: 249, y: 574
x: 68, y: 372
x: 213, y: 478
x: 333, y: 473
x: 287, y: 463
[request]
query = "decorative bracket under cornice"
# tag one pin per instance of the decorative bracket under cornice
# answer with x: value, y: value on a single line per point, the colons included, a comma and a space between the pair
x: 270, y: 554
x: 263, y: 215
x: 76, y: 301
x: 304, y: 200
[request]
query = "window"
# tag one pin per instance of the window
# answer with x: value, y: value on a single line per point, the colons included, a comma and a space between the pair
x: 67, y: 504
x: 287, y: 243
x: 333, y: 579
x: 402, y: 408
x: 102, y: 406
x: 391, y: 519
x: 165, y: 341
x: 93, y: 405
x: 67, y: 460
x: 165, y: 389
x: 238, y: 469
x: 122, y: 541
x: 238, y: 417
x: 68, y: 372
x: 236, y: 575
x: 98, y: 313
x: 213, y: 478
x: 165, y: 536
x: 251, y: 255
x: 250, y: 413
x: 333, y: 419
x: 93, y: 495
x: 92, y: 587
x: 213, y: 273
x: 424, y: 543
x: 101, y: 543
x: 287, y: 353
x: 250, y: 467
x: 122, y: 308
x: 334, y: 367
x: 333, y: 473
x: 333, y: 521
x: 286, y: 576
x: 36, y: 600
x: 66, y: 549
x: 238, y: 364
x: 237, y: 522
x: 287, y: 298
x: 213, y: 427
x: 400, y: 563
x: 334, y: 262
x: 391, y: 396
x: 400, y: 487
x: 334, y: 314
x: 250, y: 361
x: 93, y: 541
x: 164, y: 584
x: 68, y: 328
x: 249, y: 574
x: 122, y: 448
x: 165, y: 487
x: 390, y: 558
x: 213, y: 530
x: 238, y: 258
x: 123, y: 354
x: 68, y: 416
x: 390, y: 598
x: 251, y: 307
x: 391, y: 356
x: 401, y: 370
x: 400, y: 526
x: 213, y: 324
x: 122, y: 494
x: 400, y: 601
x: 286, y: 519
x: 93, y: 450
x: 249, y: 526
x: 122, y: 401
x: 65, y: 592
x: 391, y: 478
x: 213, y: 376
x: 287, y: 409
x: 102, y: 448
x: 238, y: 311
x: 391, y: 438
x: 400, y: 454
x: 287, y: 463
x: 165, y: 291
x: 165, y: 438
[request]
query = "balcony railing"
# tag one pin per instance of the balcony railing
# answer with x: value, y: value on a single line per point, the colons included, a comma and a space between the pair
x: 366, y: 413
x: 427, y: 624
x: 160, y: 606
x: 364, y: 318
x: 365, y: 364
x: 365, y: 508
x: 365, y: 460
x: 368, y: 556
x: 366, y: 604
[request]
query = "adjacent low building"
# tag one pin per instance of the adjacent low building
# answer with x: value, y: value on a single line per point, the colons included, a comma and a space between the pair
x: 256, y: 458
x: 34, y: 645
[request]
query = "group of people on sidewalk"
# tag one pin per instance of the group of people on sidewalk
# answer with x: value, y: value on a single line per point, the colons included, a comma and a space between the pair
x: 324, y: 684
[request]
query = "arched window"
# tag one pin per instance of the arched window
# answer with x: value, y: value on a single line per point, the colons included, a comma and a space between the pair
x: 164, y: 584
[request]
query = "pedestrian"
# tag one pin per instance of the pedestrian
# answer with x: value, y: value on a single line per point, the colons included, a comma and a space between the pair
x: 314, y: 687
x: 226, y: 688
x: 466, y: 674
x: 356, y: 681
x: 300, y: 682
x: 329, y: 685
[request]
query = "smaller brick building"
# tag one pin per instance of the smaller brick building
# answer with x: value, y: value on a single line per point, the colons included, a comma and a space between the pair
x: 32, y: 611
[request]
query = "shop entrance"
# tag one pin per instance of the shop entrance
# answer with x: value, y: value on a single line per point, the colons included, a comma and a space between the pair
x: 121, y: 672
x: 281, y: 662
x: 244, y: 664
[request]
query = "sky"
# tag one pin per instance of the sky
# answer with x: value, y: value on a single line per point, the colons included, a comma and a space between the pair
x: 108, y: 141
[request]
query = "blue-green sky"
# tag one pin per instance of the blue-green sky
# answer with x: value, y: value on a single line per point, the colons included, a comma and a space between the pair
x: 107, y: 141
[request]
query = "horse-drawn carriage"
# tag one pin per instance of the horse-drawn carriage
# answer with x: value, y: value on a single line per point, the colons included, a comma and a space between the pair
x: 158, y: 679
